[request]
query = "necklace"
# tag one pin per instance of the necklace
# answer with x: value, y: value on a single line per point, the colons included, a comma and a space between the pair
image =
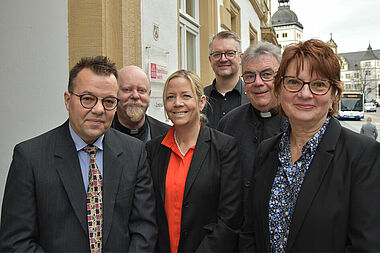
x: 176, y: 142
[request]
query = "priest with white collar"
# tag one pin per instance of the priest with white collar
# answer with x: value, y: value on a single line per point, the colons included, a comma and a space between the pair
x: 258, y: 120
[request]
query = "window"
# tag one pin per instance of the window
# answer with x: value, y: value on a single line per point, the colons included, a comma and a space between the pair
x: 356, y: 75
x: 348, y: 76
x: 189, y: 35
x: 284, y: 35
x: 367, y: 64
x: 252, y: 34
x: 368, y: 72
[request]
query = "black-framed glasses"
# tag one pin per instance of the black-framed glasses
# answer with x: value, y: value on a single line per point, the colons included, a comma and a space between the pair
x: 89, y: 101
x: 216, y: 56
x: 316, y: 87
x: 266, y: 75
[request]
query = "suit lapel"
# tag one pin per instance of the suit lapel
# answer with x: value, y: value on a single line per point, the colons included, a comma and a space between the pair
x: 112, y: 174
x: 200, y: 152
x: 68, y: 168
x: 163, y: 162
x: 314, y: 178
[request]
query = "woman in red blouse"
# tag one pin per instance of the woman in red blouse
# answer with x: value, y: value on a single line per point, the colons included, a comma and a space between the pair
x: 196, y: 175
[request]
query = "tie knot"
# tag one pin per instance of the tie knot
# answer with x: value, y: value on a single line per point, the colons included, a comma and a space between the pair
x: 91, y: 149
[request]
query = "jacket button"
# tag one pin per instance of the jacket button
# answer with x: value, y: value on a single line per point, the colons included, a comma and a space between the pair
x: 186, y: 204
x: 247, y: 184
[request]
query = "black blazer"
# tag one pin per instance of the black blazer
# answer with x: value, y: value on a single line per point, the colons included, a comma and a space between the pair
x: 212, y: 206
x: 249, y: 130
x: 157, y: 127
x: 44, y: 206
x: 338, y: 204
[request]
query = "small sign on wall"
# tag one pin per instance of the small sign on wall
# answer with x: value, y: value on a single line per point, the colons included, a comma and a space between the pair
x: 156, y: 31
x: 157, y: 72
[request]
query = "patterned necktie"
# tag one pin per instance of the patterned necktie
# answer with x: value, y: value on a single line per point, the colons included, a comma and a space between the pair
x: 94, y: 202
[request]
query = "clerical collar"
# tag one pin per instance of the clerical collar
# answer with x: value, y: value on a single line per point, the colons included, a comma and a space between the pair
x: 134, y: 131
x: 266, y: 114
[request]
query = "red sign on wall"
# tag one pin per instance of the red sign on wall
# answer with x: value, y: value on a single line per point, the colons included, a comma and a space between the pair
x: 153, y: 71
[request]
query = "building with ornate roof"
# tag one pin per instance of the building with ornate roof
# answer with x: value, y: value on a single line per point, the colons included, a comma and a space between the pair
x: 286, y: 25
x: 360, y: 71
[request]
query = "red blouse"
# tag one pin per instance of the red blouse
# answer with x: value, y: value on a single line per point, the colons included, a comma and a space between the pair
x: 175, y: 186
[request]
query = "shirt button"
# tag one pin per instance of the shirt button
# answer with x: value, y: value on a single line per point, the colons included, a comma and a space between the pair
x: 285, y: 239
x: 225, y: 99
x: 286, y: 213
x: 224, y: 113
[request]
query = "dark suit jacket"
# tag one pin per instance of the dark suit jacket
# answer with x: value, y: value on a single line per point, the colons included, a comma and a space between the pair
x: 249, y: 130
x: 44, y: 206
x: 212, y: 210
x: 338, y: 204
x: 157, y: 127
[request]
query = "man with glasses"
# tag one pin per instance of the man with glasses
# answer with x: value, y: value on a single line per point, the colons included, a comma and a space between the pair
x: 81, y: 187
x: 226, y: 91
x: 258, y: 120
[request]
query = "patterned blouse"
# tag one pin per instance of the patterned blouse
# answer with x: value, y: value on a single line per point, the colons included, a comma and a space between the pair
x: 286, y: 186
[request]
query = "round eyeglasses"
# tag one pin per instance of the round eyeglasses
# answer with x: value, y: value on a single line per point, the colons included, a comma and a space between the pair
x: 265, y: 75
x: 89, y: 101
x: 316, y: 87
x: 218, y: 55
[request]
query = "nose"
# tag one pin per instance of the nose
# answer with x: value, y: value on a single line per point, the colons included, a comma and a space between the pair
x: 223, y: 57
x: 305, y: 91
x: 98, y: 108
x: 178, y: 102
x: 258, y: 80
x: 135, y: 94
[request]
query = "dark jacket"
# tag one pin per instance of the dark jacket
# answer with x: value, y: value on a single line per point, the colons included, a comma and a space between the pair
x: 44, y: 206
x: 250, y: 129
x: 338, y: 205
x: 212, y: 209
x: 156, y: 127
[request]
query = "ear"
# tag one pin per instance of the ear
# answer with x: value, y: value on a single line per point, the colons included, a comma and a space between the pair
x: 209, y: 59
x: 202, y: 102
x: 240, y: 57
x: 67, y: 98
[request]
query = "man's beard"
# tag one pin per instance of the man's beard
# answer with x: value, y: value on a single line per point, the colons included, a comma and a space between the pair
x: 135, y: 110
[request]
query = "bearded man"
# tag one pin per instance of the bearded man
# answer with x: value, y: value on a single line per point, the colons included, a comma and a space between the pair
x: 134, y: 94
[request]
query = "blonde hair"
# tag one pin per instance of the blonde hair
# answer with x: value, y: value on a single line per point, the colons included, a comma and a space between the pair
x: 196, y: 86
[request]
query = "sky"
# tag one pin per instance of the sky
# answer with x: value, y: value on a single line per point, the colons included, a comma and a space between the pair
x: 353, y: 23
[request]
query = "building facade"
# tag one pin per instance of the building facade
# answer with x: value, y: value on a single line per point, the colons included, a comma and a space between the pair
x: 360, y: 71
x: 286, y: 25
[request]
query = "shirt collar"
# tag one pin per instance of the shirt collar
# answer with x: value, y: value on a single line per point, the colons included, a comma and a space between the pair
x: 310, y: 145
x: 80, y: 144
x: 238, y: 87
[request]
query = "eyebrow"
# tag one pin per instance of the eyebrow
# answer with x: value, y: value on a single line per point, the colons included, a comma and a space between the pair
x: 250, y: 72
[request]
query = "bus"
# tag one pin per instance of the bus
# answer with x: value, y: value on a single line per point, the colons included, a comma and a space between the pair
x: 351, y: 106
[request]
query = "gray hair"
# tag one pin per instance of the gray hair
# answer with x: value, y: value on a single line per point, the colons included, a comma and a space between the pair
x: 262, y: 47
x: 226, y: 35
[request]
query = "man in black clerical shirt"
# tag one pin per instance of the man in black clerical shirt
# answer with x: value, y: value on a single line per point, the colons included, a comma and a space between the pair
x: 227, y: 90
x: 251, y: 123
x: 134, y: 94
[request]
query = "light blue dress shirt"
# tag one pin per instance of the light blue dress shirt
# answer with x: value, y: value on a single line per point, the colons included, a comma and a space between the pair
x: 84, y: 157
